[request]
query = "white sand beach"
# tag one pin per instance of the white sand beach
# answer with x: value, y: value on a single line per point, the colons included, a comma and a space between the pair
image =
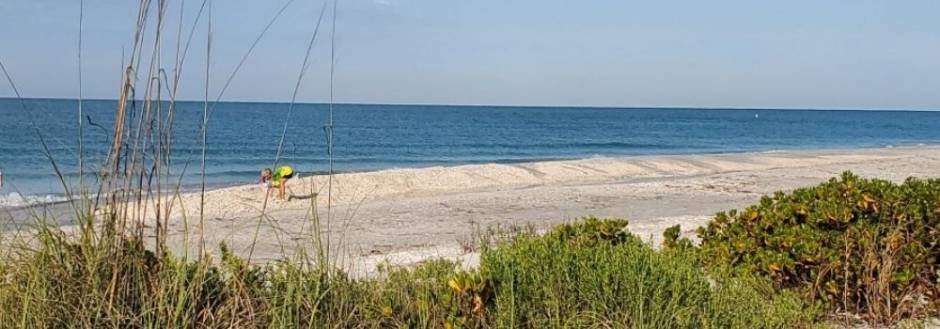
x: 408, y: 215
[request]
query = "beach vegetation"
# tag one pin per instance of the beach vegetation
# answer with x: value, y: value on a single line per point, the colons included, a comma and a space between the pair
x: 856, y: 246
x: 588, y: 274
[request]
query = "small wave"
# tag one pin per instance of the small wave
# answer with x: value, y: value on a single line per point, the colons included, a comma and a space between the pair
x: 522, y: 144
x: 14, y: 200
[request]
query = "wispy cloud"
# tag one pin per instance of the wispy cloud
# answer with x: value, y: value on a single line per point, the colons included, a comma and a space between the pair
x: 383, y: 2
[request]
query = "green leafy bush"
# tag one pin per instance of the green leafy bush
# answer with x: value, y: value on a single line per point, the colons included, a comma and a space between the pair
x: 596, y: 274
x: 864, y: 246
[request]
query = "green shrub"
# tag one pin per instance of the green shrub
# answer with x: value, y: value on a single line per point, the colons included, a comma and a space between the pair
x: 855, y: 245
x: 413, y: 298
x: 596, y: 274
x: 747, y: 301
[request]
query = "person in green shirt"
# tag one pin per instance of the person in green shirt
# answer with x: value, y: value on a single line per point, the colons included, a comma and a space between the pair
x: 277, y: 178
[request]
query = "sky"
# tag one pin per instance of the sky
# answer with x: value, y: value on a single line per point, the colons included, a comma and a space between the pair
x: 851, y: 54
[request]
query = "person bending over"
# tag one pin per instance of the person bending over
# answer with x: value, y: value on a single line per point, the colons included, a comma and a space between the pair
x: 277, y: 178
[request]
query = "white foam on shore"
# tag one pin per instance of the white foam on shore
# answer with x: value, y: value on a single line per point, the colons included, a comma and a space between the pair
x: 14, y: 199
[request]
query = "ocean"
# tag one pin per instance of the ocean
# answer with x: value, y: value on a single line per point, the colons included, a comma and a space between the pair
x: 243, y: 137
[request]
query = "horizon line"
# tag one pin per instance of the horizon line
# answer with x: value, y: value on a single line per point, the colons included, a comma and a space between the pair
x: 610, y: 107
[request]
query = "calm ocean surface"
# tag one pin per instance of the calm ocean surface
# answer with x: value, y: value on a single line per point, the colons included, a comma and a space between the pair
x: 243, y: 137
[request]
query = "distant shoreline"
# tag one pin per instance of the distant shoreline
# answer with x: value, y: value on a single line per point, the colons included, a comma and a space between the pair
x: 191, y: 188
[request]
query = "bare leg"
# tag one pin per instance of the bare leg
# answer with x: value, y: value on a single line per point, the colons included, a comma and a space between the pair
x: 281, y: 188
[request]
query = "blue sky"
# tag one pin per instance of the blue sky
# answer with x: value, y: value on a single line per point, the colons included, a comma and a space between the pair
x: 799, y: 54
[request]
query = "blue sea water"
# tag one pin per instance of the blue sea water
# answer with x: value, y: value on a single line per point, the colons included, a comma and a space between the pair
x: 243, y: 137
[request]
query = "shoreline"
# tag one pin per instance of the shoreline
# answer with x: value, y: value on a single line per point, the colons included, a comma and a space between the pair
x: 190, y: 188
x: 408, y: 215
